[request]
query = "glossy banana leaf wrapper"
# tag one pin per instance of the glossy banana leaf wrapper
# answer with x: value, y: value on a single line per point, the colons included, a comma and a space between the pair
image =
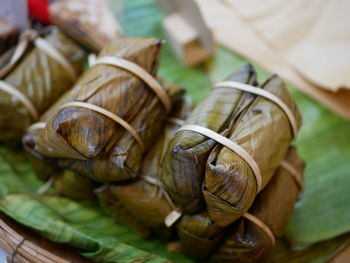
x: 89, y: 143
x: 42, y: 80
x: 199, y: 235
x: 265, y: 132
x: 185, y: 160
x: 66, y: 183
x: 44, y: 168
x: 143, y: 198
x: 247, y: 242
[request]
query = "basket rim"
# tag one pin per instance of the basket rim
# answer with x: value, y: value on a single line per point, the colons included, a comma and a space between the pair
x: 26, y: 246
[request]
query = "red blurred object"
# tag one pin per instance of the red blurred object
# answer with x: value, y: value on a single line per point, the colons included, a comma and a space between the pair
x: 39, y: 9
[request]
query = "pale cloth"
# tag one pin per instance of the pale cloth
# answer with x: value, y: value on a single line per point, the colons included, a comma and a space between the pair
x: 313, y: 35
x: 262, y: 34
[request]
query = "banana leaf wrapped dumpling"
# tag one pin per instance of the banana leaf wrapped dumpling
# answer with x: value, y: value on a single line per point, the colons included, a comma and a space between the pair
x: 44, y: 168
x: 184, y: 162
x: 247, y: 241
x: 88, y: 142
x: 199, y: 235
x: 125, y: 158
x: 264, y: 131
x: 74, y: 186
x: 144, y: 197
x: 66, y: 183
x: 41, y: 79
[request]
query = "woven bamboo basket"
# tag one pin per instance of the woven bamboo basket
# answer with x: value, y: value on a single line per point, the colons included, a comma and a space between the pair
x: 25, y: 246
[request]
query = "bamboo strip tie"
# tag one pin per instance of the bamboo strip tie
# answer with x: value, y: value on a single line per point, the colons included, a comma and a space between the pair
x: 21, y: 97
x: 156, y: 182
x: 26, y: 37
x: 235, y: 147
x: 176, y: 213
x: 137, y: 71
x: 108, y: 114
x: 36, y: 126
x: 246, y: 156
x: 232, y: 146
x: 46, y: 186
x: 175, y: 121
x: 257, y: 221
x: 295, y: 174
x: 265, y: 94
x: 52, y: 52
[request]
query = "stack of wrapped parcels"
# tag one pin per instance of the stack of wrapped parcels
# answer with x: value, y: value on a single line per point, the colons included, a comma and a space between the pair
x: 222, y: 176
